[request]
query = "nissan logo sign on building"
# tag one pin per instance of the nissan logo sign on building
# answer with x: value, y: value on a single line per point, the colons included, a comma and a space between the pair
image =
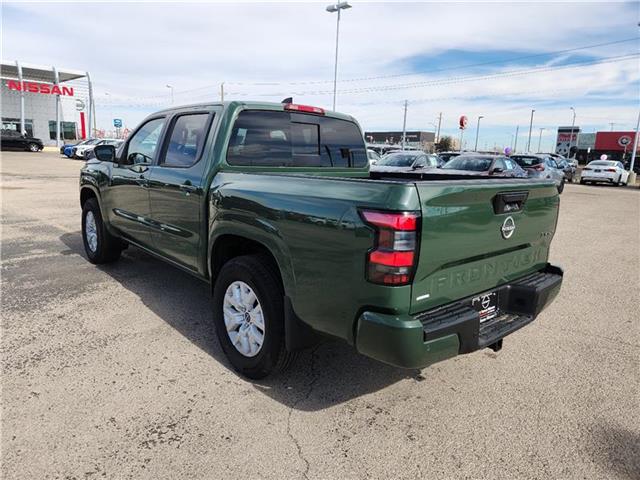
x: 49, y: 103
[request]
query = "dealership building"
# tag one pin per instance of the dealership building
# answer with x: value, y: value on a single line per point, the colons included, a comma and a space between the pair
x: 585, y: 147
x: 49, y: 103
x: 413, y: 138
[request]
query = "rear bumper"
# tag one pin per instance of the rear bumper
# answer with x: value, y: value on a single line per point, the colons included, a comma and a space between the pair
x: 588, y: 178
x: 444, y: 332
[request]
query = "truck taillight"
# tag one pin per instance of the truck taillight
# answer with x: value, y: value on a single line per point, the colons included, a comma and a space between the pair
x: 393, y: 259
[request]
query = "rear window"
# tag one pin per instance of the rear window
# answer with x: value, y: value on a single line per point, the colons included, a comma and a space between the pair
x: 398, y: 160
x: 602, y: 164
x: 527, y: 161
x: 285, y: 139
x: 473, y: 164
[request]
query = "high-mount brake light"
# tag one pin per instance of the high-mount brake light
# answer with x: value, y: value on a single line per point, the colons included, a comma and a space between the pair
x: 304, y: 108
x: 393, y: 259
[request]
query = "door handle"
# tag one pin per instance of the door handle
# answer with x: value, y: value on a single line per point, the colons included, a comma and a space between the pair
x: 188, y: 189
x: 143, y: 182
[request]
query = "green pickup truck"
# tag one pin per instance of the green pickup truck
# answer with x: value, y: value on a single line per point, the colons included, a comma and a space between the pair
x: 274, y: 206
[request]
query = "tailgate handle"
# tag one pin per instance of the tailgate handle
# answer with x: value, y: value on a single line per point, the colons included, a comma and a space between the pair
x: 509, y: 202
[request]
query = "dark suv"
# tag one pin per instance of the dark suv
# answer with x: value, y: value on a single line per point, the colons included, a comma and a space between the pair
x: 13, y: 140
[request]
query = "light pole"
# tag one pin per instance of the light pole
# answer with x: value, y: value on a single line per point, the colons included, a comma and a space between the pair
x: 404, y: 126
x: 475, y: 149
x: 530, y: 127
x: 632, y: 174
x: 573, y: 122
x: 515, y: 143
x: 540, y: 140
x: 170, y: 87
x: 336, y: 7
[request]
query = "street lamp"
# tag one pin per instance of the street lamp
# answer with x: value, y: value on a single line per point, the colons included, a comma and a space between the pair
x: 170, y: 87
x: 540, y: 140
x: 477, y: 131
x: 530, y: 127
x: 573, y: 122
x: 336, y: 7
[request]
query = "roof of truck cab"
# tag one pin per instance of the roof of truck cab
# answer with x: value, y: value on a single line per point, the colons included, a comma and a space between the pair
x: 256, y: 105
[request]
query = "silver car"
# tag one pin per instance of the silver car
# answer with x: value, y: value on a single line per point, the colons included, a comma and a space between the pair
x: 541, y: 166
x: 405, y: 161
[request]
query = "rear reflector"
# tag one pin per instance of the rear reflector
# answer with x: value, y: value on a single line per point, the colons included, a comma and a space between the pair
x: 392, y: 261
x: 304, y: 108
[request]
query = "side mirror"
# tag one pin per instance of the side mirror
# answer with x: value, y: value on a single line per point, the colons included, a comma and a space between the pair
x: 105, y: 153
x: 496, y: 170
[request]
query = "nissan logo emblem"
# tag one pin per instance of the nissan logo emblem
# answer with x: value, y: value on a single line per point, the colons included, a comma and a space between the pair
x: 508, y: 227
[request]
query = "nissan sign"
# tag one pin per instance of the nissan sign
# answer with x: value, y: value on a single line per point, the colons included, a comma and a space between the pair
x: 463, y: 122
x: 42, y: 88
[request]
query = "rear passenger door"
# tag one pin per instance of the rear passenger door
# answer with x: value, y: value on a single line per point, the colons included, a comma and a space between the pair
x: 176, y: 189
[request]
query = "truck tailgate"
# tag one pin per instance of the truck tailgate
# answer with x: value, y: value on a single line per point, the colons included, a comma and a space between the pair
x: 474, y: 238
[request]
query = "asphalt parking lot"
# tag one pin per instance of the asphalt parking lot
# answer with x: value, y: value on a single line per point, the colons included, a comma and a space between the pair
x: 115, y: 372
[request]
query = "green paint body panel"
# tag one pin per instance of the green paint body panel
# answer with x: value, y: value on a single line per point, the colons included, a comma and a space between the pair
x: 308, y: 219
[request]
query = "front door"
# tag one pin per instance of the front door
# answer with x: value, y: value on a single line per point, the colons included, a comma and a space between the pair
x: 177, y: 191
x: 128, y: 194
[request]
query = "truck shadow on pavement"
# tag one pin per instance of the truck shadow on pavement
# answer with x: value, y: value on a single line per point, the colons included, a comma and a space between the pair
x: 617, y: 449
x: 327, y: 375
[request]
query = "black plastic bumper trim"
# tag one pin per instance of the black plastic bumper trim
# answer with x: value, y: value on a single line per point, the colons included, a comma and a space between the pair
x: 519, y: 303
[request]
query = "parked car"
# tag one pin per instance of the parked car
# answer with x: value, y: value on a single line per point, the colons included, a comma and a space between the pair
x: 80, y: 151
x: 406, y: 160
x: 494, y: 165
x: 373, y: 156
x: 541, y: 166
x: 604, y: 171
x: 67, y: 149
x: 274, y: 207
x: 568, y: 168
x: 13, y: 140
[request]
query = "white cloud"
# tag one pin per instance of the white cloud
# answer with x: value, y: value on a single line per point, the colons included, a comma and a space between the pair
x: 134, y: 50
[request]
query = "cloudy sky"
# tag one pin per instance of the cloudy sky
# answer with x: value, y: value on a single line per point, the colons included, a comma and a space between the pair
x: 499, y: 60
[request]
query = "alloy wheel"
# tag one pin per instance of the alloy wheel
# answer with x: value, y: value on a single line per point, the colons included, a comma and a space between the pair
x: 243, y: 318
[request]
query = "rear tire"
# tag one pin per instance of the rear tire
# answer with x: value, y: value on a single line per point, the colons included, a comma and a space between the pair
x: 99, y: 245
x: 33, y: 147
x: 256, y: 274
x: 619, y: 181
x: 582, y: 182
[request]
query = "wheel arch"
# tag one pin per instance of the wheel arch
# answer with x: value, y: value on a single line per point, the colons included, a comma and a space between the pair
x: 227, y: 246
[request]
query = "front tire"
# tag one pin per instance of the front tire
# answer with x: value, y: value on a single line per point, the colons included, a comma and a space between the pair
x: 561, y: 186
x: 99, y: 245
x: 249, y: 316
x: 33, y: 147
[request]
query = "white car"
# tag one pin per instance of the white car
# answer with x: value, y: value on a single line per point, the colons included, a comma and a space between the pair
x: 605, y: 171
x: 80, y: 151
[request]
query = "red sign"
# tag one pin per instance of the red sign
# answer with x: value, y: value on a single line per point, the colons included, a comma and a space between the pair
x: 614, y: 141
x: 42, y: 88
x: 463, y: 122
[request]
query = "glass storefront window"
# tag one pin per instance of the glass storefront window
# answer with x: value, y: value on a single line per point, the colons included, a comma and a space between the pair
x: 67, y: 130
x: 14, y: 124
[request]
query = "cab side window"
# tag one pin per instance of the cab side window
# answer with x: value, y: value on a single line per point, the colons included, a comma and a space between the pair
x: 143, y: 144
x: 186, y: 140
